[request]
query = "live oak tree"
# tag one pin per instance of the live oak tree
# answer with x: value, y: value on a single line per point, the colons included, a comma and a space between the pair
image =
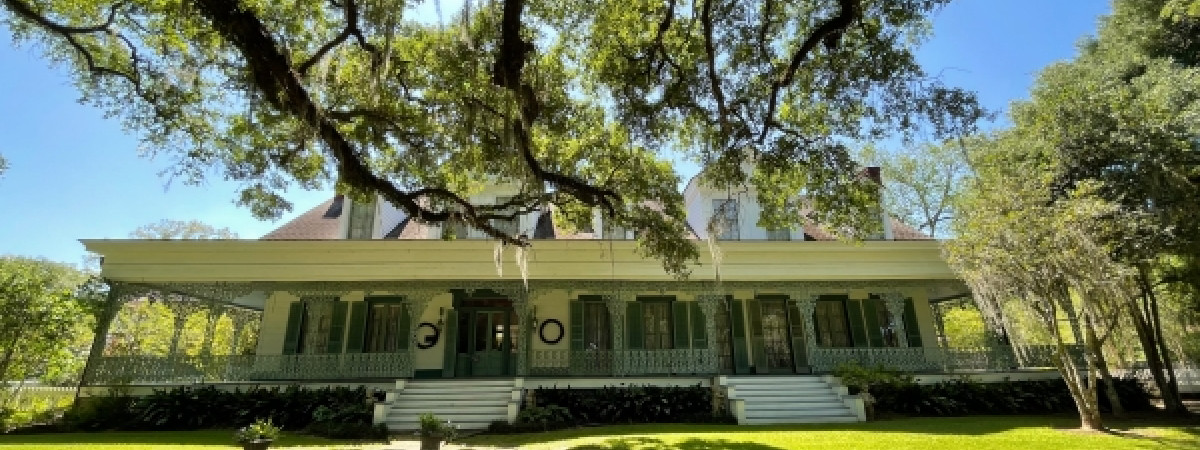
x: 41, y: 315
x: 1088, y: 203
x: 581, y: 102
x: 922, y: 181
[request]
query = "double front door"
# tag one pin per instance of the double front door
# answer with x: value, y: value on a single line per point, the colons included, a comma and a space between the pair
x: 485, y: 342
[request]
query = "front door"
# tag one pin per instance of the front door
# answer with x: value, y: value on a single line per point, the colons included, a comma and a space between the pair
x: 777, y: 344
x: 485, y: 342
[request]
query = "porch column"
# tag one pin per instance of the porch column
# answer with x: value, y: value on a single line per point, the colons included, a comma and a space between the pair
x: 711, y: 305
x: 807, y: 303
x: 114, y: 299
x: 616, y: 320
x: 895, y: 306
x: 939, y: 321
x: 523, y: 307
x: 415, y: 301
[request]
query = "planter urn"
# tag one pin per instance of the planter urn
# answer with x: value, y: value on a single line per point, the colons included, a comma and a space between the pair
x: 257, y: 444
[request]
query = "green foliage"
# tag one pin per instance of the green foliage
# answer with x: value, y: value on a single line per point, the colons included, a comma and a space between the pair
x: 922, y: 181
x: 965, y: 396
x: 43, y: 322
x: 260, y: 430
x: 431, y: 425
x: 965, y: 326
x: 626, y: 404
x: 181, y: 229
x: 28, y: 407
x: 859, y: 378
x: 187, y: 408
x: 583, y: 104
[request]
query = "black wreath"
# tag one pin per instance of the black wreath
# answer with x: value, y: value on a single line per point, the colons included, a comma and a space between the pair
x: 430, y: 340
x: 542, y: 331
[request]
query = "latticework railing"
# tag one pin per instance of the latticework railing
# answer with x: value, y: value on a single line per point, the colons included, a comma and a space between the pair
x: 622, y: 362
x: 935, y: 359
x: 208, y: 369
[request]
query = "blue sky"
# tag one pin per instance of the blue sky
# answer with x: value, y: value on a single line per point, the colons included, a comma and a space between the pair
x: 75, y: 174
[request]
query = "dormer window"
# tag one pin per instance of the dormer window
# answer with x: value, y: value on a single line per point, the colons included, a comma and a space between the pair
x: 615, y: 232
x: 361, y: 220
x: 725, y: 217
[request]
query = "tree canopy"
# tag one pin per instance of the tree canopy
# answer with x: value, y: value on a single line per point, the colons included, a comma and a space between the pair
x: 181, y: 229
x: 1087, y: 202
x: 584, y: 103
x: 40, y: 313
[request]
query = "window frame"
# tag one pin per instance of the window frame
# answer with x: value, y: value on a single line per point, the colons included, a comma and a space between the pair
x: 668, y: 335
x: 368, y: 331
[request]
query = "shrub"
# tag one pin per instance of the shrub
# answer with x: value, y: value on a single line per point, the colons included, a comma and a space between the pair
x: 332, y: 412
x: 626, y: 404
x: 896, y: 392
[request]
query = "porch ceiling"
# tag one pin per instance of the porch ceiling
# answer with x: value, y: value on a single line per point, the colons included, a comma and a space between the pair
x: 238, y: 260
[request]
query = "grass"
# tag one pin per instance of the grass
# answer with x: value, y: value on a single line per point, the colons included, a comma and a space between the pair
x: 973, y: 433
x: 147, y: 440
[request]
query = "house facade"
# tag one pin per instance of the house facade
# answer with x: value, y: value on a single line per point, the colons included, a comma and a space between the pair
x: 352, y: 292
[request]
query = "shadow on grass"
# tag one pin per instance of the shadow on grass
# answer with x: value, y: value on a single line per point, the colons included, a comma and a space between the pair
x: 649, y: 443
x: 1141, y: 425
x: 154, y: 438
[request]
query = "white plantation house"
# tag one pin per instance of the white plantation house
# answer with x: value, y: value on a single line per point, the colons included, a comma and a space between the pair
x: 354, y: 293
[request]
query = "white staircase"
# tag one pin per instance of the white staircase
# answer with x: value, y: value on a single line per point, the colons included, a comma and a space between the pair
x: 759, y: 400
x: 468, y: 404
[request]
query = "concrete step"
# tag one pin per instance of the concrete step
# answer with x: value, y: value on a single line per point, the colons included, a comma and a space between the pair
x: 789, y: 420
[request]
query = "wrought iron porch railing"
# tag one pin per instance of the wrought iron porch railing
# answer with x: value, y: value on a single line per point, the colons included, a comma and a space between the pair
x: 622, y: 362
x: 935, y: 359
x: 209, y: 369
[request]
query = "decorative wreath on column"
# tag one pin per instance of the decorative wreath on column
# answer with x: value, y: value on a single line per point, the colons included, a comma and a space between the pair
x: 557, y: 335
x: 430, y: 340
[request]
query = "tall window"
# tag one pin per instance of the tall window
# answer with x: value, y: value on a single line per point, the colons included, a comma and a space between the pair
x: 887, y: 324
x: 314, y: 328
x: 597, y: 333
x: 362, y: 220
x: 656, y: 324
x: 831, y: 327
x: 385, y: 327
x: 725, y: 213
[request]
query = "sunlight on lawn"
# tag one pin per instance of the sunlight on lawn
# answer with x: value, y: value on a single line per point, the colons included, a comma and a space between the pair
x: 973, y: 433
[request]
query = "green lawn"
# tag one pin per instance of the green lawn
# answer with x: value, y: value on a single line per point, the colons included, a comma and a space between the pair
x: 146, y: 440
x: 971, y: 433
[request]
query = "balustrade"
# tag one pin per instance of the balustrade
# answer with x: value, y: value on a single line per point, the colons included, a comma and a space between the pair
x: 232, y: 368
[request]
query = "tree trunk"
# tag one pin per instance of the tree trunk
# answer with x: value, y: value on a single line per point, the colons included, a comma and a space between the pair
x: 1142, y: 315
x: 1110, y: 388
x: 1082, y: 391
x: 1176, y: 402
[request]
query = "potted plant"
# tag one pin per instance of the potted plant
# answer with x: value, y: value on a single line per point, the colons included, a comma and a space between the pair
x: 434, y: 431
x: 258, y: 435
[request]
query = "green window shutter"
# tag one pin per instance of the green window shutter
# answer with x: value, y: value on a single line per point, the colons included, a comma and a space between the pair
x: 337, y: 328
x: 699, y: 327
x: 357, y: 330
x: 911, y: 329
x: 679, y: 324
x: 858, y: 336
x: 403, y: 329
x: 291, y: 334
x: 796, y: 328
x: 737, y: 317
x: 871, y: 311
x: 576, y: 312
x: 757, y: 339
x: 635, y: 339
x: 450, y: 340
